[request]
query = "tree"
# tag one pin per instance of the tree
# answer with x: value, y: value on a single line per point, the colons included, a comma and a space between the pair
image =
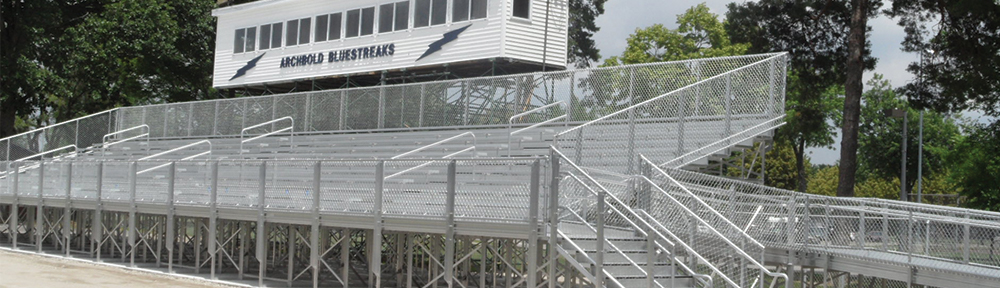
x: 881, y: 137
x: 582, y: 13
x: 977, y: 167
x: 960, y: 70
x: 700, y: 34
x: 814, y: 33
x: 64, y: 60
x: 857, y: 43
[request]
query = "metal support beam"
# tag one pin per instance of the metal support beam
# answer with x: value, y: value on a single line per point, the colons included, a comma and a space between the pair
x: 171, y: 221
x: 532, y: 260
x: 262, y: 238
x: 213, y: 219
x: 375, y: 262
x: 68, y: 210
x: 449, y: 242
x: 314, y: 232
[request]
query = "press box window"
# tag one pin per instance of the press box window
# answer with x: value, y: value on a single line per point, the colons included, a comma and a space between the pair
x: 298, y: 31
x: 328, y: 27
x: 244, y: 40
x: 522, y: 8
x: 468, y: 9
x: 360, y: 22
x: 270, y: 36
x: 430, y: 12
x: 393, y: 12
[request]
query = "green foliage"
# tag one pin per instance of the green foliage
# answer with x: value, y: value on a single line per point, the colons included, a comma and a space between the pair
x: 66, y: 60
x: 700, y: 34
x: 880, y: 137
x: 815, y: 35
x: 965, y: 35
x: 582, y: 50
x: 780, y: 165
x: 977, y: 167
x: 824, y: 181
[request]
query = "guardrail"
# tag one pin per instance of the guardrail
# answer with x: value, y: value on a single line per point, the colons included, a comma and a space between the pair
x: 411, y: 152
x: 67, y: 132
x: 209, y: 152
x: 290, y: 128
x: 105, y: 144
x: 510, y: 121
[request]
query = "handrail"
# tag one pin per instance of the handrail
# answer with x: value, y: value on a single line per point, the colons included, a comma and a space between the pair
x: 645, y: 233
x: 429, y: 163
x: 729, y: 138
x: 291, y: 128
x: 716, y: 232
x: 675, y: 91
x: 437, y: 143
x: 105, y: 144
x: 49, y: 152
x: 613, y: 246
x: 178, y: 149
x: 590, y: 261
x: 510, y: 122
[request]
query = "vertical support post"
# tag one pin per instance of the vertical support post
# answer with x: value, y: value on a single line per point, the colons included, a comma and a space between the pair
x: 885, y: 228
x: 533, y: 223
x: 729, y: 104
x: 449, y: 244
x: 965, y: 240
x: 909, y: 238
x: 291, y: 242
x: 97, y: 227
x: 171, y: 221
x: 261, y: 228
x: 375, y: 262
x: 468, y: 101
x: 15, y: 231
x: 631, y: 122
x: 345, y: 256
x: 213, y: 218
x: 314, y: 233
x: 343, y: 100
x: 599, y: 258
x: 40, y: 207
x: 215, y: 119
x: 553, y: 218
x: 423, y: 95
x: 68, y: 211
x: 790, y: 240
x: 572, y: 97
x: 132, y: 211
x: 381, y: 106
x: 862, y: 226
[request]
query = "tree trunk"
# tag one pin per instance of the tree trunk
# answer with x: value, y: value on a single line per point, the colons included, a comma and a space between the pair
x: 800, y: 165
x: 852, y: 98
x: 6, y: 119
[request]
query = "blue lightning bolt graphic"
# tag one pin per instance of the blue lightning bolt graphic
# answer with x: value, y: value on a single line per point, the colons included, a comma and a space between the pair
x: 448, y: 37
x: 250, y: 65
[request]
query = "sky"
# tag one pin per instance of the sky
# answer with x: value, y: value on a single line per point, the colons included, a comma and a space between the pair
x: 621, y: 18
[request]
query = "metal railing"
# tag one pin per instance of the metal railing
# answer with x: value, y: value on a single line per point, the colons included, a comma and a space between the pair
x: 208, y: 152
x: 105, y: 144
x: 745, y: 96
x: 290, y: 129
x: 510, y: 122
x: 449, y: 139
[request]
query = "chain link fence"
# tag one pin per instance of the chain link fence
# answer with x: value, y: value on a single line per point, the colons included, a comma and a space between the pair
x: 883, y: 231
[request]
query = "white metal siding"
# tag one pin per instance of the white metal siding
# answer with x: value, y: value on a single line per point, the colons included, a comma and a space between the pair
x: 524, y: 37
x: 483, y: 40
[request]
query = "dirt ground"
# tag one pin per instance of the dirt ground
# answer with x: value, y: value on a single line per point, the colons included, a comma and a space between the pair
x: 20, y: 270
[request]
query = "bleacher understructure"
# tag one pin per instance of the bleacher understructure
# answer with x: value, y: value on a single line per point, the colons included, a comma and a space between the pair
x: 585, y: 178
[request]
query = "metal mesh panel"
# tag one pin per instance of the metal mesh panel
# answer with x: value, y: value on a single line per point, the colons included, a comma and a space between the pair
x: 115, y: 186
x: 324, y: 111
x: 84, y: 179
x: 495, y: 190
x: 151, y: 181
x: 239, y: 184
x: 56, y: 175
x: 294, y: 106
x: 193, y: 183
x: 288, y: 185
x: 203, y: 118
x: 655, y: 119
x: 418, y: 193
x: 885, y: 231
x: 347, y: 187
x: 229, y: 119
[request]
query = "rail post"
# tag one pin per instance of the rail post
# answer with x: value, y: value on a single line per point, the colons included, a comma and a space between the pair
x: 314, y: 233
x: 40, y: 207
x: 449, y: 244
x: 533, y: 205
x: 553, y: 215
x: 14, y: 209
x: 599, y: 258
x: 213, y: 217
x: 965, y: 240
x: 97, y: 228
x: 262, y: 237
x: 68, y: 210
x: 171, y: 236
x: 132, y: 210
x: 375, y: 262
